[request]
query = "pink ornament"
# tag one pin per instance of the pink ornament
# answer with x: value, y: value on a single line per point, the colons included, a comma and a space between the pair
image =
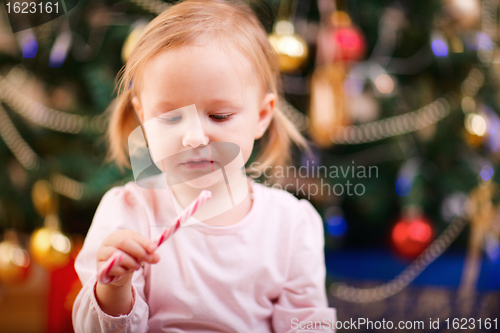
x: 349, y: 44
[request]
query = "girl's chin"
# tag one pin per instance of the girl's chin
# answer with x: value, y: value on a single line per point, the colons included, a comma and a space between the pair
x: 205, y: 181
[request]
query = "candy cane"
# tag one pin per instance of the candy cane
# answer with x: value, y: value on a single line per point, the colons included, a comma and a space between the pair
x: 187, y: 213
x: 103, y: 273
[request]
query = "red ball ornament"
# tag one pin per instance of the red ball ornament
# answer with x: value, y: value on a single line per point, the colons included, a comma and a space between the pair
x: 349, y: 44
x: 411, y: 236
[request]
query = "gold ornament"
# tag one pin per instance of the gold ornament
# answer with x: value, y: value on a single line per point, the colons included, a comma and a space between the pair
x: 131, y: 40
x: 481, y: 214
x: 44, y: 199
x: 327, y: 108
x: 291, y: 48
x: 48, y: 246
x: 340, y: 19
x: 475, y: 129
x: 14, y: 261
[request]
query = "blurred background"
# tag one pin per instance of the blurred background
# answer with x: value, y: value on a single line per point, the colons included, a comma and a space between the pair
x: 399, y: 98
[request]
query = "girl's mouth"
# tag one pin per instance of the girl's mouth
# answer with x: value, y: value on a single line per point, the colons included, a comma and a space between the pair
x: 197, y: 164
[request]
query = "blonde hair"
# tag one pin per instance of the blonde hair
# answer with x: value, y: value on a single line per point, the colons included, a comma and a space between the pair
x: 183, y: 24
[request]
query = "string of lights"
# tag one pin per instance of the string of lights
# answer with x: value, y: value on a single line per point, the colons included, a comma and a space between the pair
x: 42, y: 115
x: 433, y: 251
x: 21, y: 150
x: 408, y: 122
x: 489, y: 18
x: 66, y: 186
x: 393, y: 126
x: 31, y: 161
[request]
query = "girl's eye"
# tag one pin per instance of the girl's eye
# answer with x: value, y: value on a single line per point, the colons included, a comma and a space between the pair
x: 170, y: 120
x: 221, y: 117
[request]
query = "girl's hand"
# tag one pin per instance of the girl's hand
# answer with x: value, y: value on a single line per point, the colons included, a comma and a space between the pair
x: 136, y: 249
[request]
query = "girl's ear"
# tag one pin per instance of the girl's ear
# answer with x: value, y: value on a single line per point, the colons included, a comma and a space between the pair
x: 137, y: 108
x: 266, y: 112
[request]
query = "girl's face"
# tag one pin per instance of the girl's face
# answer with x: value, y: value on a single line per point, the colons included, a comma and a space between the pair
x: 195, y: 95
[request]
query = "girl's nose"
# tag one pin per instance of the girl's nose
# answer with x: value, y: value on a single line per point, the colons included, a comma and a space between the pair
x: 194, y: 137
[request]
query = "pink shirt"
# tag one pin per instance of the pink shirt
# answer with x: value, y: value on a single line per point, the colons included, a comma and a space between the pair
x: 265, y: 273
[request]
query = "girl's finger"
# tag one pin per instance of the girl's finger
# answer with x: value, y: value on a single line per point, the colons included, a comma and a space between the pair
x: 146, y: 243
x: 111, y: 266
x: 121, y: 264
x: 104, y: 252
x: 134, y: 249
x: 128, y: 262
x: 156, y: 258
x: 118, y: 270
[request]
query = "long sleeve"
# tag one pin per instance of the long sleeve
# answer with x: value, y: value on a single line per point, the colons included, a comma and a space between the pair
x: 118, y: 209
x: 303, y: 303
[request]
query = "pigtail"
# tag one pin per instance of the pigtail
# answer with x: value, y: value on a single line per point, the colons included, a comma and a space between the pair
x: 281, y: 132
x: 122, y: 122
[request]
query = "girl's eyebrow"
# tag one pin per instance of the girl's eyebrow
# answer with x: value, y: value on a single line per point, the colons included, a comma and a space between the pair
x: 225, y: 102
x: 214, y: 102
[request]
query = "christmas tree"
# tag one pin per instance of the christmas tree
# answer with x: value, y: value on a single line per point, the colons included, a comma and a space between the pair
x: 400, y: 101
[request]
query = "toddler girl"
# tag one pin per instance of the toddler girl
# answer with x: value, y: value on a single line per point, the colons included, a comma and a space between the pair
x: 202, y: 80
